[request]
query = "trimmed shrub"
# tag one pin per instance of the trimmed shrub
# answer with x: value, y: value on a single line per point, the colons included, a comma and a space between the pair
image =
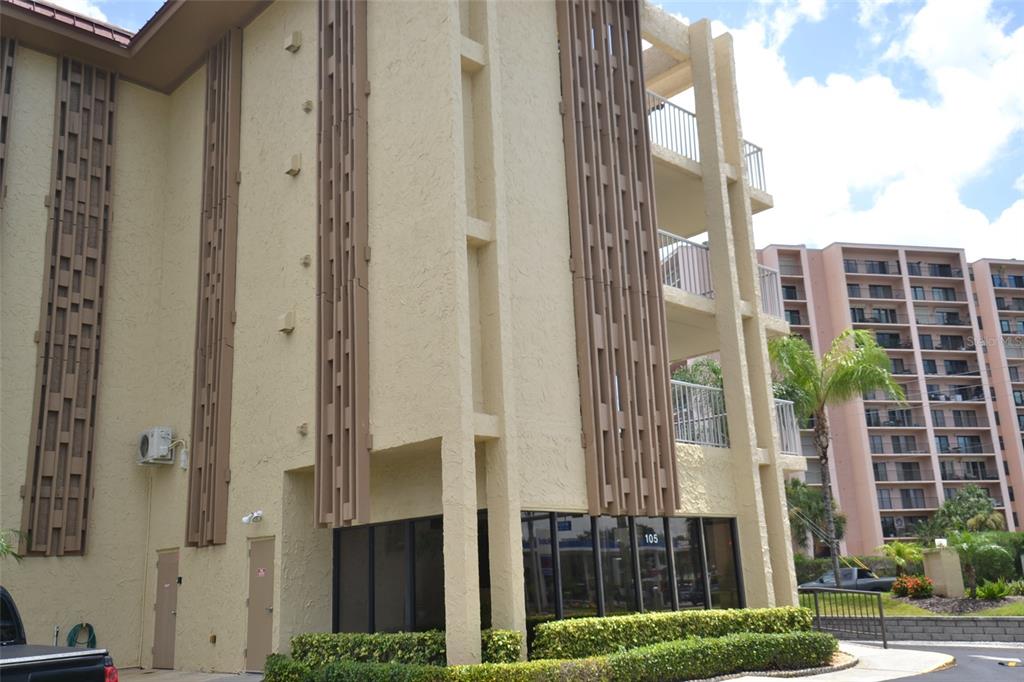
x: 354, y: 671
x: 687, y: 659
x: 500, y: 646
x: 993, y: 591
x: 913, y: 586
x: 1016, y: 588
x: 280, y: 668
x: 317, y: 649
x: 701, y: 658
x: 548, y: 670
x: 584, y: 637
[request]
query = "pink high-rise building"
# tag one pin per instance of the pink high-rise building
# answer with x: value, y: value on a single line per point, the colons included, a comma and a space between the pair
x: 893, y: 464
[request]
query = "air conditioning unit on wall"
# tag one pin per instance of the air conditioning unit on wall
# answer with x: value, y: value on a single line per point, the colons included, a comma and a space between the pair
x: 155, y: 446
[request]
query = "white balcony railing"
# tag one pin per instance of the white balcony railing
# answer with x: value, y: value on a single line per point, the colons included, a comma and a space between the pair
x: 771, y: 291
x: 699, y: 414
x: 685, y: 265
x: 675, y: 129
x: 789, y: 428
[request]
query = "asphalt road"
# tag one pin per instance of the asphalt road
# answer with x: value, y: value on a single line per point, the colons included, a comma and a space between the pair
x: 973, y: 664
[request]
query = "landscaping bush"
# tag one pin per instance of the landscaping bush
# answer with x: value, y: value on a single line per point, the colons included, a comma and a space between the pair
x: 1016, y: 588
x: 317, y: 649
x: 913, y: 586
x: 743, y: 652
x: 584, y: 637
x: 993, y: 591
x: 1013, y: 542
x: 687, y: 659
x: 283, y: 669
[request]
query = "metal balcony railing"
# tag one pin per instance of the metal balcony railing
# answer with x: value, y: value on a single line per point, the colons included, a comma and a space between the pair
x: 909, y: 502
x: 771, y: 291
x: 855, y: 266
x: 789, y: 430
x: 933, y: 270
x: 922, y: 294
x: 699, y: 415
x: 685, y: 265
x: 968, y: 474
x: 675, y: 129
x: 895, y: 474
x: 942, y: 320
x: 854, y: 291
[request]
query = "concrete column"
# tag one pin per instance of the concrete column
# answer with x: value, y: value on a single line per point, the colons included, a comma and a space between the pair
x: 461, y: 574
x: 753, y: 535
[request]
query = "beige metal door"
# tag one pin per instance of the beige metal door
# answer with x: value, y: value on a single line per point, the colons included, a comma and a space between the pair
x: 166, y: 609
x: 261, y: 603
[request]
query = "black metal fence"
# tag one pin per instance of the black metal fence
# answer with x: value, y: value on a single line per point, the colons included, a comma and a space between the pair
x: 847, y: 614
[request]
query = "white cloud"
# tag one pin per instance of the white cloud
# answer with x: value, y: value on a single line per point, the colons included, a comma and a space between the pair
x: 1018, y: 184
x: 826, y: 141
x: 83, y: 7
x: 781, y: 16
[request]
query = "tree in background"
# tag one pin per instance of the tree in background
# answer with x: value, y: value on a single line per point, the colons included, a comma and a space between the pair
x: 702, y: 371
x: 970, y: 509
x: 901, y: 554
x: 974, y: 549
x: 853, y: 365
x: 806, y: 507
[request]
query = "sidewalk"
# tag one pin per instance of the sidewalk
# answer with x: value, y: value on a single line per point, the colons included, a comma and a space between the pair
x: 136, y: 675
x: 875, y: 664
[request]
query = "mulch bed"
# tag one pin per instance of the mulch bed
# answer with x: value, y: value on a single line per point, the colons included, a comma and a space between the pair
x: 944, y: 606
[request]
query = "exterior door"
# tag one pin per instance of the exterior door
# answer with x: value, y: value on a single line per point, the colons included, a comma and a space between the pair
x: 166, y: 609
x: 261, y: 603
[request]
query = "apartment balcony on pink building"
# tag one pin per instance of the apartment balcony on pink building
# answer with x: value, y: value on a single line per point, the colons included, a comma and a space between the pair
x: 874, y: 292
x: 887, y: 472
x: 911, y: 394
x: 941, y: 318
x: 956, y: 394
x: 1008, y: 281
x: 876, y: 418
x: 899, y: 499
x: 857, y: 266
x: 959, y: 419
x: 946, y: 445
x: 872, y: 317
x: 934, y: 270
x: 954, y: 470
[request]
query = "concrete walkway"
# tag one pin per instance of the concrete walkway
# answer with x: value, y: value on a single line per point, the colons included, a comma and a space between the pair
x: 136, y: 675
x: 875, y: 665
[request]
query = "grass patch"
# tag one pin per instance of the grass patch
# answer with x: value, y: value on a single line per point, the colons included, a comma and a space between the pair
x: 1013, y: 609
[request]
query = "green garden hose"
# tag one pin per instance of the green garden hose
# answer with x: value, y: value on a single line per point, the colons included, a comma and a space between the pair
x: 90, y: 640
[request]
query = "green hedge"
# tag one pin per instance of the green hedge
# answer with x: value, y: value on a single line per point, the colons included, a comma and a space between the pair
x: 687, y: 659
x: 584, y: 637
x: 317, y: 649
x: 283, y: 669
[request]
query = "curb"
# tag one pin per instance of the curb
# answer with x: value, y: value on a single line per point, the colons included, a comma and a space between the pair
x: 805, y: 672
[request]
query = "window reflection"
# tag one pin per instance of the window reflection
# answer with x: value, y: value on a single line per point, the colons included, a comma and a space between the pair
x: 538, y: 565
x: 352, y: 581
x: 725, y: 589
x: 576, y: 556
x: 686, y: 552
x: 389, y: 577
x: 617, y: 564
x: 652, y: 549
x: 428, y: 541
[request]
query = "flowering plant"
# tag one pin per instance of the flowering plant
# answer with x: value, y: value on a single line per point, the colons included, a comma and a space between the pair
x: 913, y: 586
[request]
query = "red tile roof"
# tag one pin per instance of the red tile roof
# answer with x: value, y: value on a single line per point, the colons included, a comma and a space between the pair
x: 115, y: 34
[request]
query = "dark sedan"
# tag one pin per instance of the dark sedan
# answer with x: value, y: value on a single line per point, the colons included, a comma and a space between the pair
x: 852, y: 579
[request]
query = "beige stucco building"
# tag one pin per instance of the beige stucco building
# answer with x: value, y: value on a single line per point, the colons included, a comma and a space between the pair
x: 894, y: 464
x: 402, y: 290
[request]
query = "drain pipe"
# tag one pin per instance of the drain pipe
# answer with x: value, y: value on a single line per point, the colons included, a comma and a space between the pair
x: 56, y: 634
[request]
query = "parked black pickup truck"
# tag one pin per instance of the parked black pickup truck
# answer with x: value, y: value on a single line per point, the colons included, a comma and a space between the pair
x: 22, y: 662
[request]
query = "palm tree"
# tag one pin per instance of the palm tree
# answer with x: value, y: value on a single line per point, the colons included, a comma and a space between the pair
x: 901, y: 554
x: 807, y: 512
x: 853, y: 365
x: 972, y: 548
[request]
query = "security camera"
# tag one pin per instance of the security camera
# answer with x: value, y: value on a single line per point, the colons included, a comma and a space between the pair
x: 253, y: 517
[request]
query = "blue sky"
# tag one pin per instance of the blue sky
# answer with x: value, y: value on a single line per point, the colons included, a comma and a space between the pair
x: 882, y: 120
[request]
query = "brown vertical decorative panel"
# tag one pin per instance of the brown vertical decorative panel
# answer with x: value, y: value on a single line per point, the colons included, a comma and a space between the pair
x: 342, y: 444
x: 215, y: 312
x: 7, y: 47
x: 620, y: 313
x: 59, y: 482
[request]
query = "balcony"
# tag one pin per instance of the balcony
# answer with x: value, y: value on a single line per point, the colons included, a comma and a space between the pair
x: 909, y: 395
x: 961, y: 473
x: 771, y: 291
x: 933, y: 270
x: 894, y: 420
x: 875, y: 293
x: 960, y: 395
x: 874, y: 317
x: 854, y: 266
x: 909, y: 502
x: 941, y: 320
x: 675, y: 129
x: 789, y: 430
x: 965, y: 449
x: 699, y: 415
x: 895, y: 474
x: 1008, y: 281
x: 943, y: 420
x: 685, y: 265
x: 945, y: 297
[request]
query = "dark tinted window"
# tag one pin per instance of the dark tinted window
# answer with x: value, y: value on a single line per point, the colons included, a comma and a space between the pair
x: 538, y: 565
x: 353, y: 580
x: 725, y: 590
x: 685, y: 539
x: 389, y: 572
x: 429, y: 557
x: 576, y: 556
x: 617, y: 564
x: 652, y: 548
